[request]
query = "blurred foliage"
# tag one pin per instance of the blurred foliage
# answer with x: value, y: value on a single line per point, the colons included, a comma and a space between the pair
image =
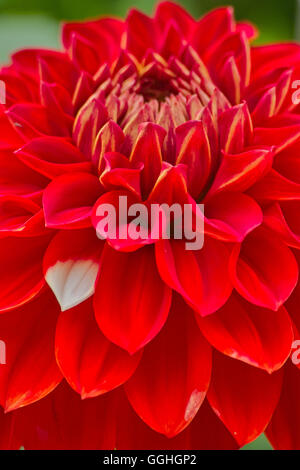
x: 18, y: 31
x: 36, y: 23
x: 275, y: 18
x: 260, y: 444
x: 270, y: 13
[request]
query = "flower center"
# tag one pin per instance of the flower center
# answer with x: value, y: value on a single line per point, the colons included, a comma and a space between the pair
x: 152, y: 111
x: 156, y: 89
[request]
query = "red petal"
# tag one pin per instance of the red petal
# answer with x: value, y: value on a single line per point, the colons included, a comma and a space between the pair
x: 83, y: 54
x: 193, y: 149
x: 274, y: 56
x: 120, y: 174
x: 265, y: 108
x: 109, y: 139
x: 131, y: 125
x: 21, y: 274
x: 112, y: 226
x: 212, y: 27
x: 107, y: 30
x: 277, y: 137
x: 171, y: 187
x: 169, y: 11
x: 283, y: 430
x: 91, y: 364
x: 30, y: 371
x: 230, y: 80
x: 282, y: 219
x: 287, y: 162
x: 53, y: 156
x: 238, y: 172
x: 205, y: 432
x: 171, y: 42
x: 147, y: 150
x: 134, y: 316
x: 84, y: 89
x: 243, y: 397
x: 140, y: 34
x: 17, y: 179
x: 231, y: 216
x: 69, y: 199
x: 275, y: 187
x: 133, y: 433
x: 34, y: 120
x: 257, y: 336
x: 63, y: 421
x: 169, y: 399
x: 201, y: 277
x: 56, y: 64
x: 266, y: 271
x: 8, y: 438
x: 248, y: 28
x: 236, y: 47
x: 91, y: 117
x: 20, y: 216
x: 57, y: 100
x: 235, y: 127
x: 10, y: 138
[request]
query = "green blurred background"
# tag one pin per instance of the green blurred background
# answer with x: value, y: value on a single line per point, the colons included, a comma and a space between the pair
x: 36, y: 23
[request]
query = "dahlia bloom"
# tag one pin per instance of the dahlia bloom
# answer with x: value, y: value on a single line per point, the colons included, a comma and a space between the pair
x: 143, y: 344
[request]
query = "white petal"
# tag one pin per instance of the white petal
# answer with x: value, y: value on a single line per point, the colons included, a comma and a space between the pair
x: 72, y: 281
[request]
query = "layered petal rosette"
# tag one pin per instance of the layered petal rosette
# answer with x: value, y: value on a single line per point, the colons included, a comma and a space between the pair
x: 140, y: 343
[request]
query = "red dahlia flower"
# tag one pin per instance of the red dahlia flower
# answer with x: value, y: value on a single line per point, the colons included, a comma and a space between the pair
x: 168, y: 348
